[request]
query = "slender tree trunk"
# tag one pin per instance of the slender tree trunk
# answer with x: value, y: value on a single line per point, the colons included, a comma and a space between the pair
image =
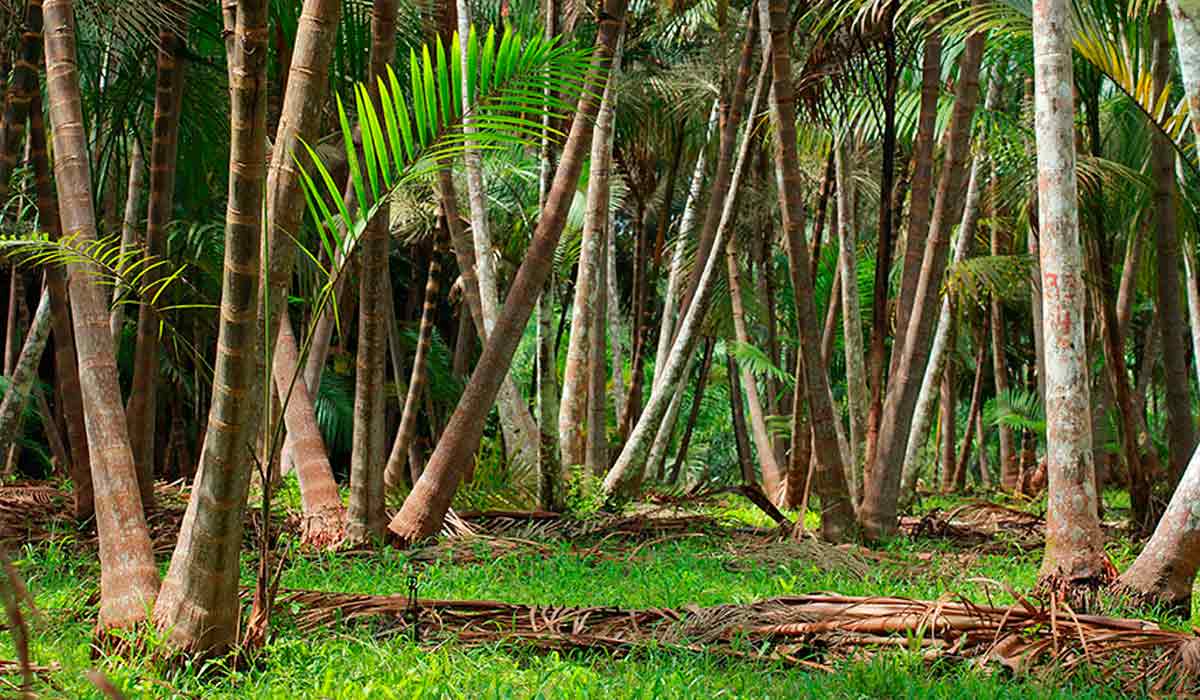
x: 1009, y: 468
x: 1181, y: 425
x: 687, y: 223
x: 1193, y: 297
x: 772, y: 475
x: 324, y: 524
x: 368, y: 456
x: 1074, y: 553
x: 741, y: 441
x: 596, y: 447
x: 612, y: 307
x: 697, y: 398
x: 416, y: 383
x: 947, y: 422
x: 128, y: 578
x: 21, y: 379
x: 857, y: 391
x: 129, y: 229
x: 921, y: 185
x: 198, y: 607
x: 426, y: 506
x: 731, y: 108
x: 573, y: 414
x: 960, y: 468
x: 66, y: 369
x: 142, y: 409
x: 882, y: 477
x: 837, y: 517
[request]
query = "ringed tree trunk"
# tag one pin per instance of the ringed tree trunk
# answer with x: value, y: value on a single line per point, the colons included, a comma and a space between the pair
x: 198, y: 608
x: 858, y: 392
x: 324, y: 524
x: 398, y: 459
x: 573, y: 410
x: 142, y: 410
x: 1074, y: 555
x: 881, y: 480
x: 837, y: 517
x: 128, y: 577
x: 66, y: 369
x: 368, y: 456
x: 1181, y: 426
x: 426, y: 506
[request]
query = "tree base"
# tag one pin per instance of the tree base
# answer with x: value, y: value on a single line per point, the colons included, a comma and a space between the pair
x: 1158, y: 596
x: 324, y: 529
x: 1080, y: 594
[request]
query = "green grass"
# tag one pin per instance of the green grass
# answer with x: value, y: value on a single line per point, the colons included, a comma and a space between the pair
x: 359, y: 662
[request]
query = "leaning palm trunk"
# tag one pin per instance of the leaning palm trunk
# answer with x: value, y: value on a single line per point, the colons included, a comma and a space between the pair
x: 923, y: 412
x: 573, y: 410
x: 837, y: 518
x: 657, y: 457
x: 425, y: 508
x: 512, y: 408
x: 858, y: 393
x: 1163, y: 574
x: 670, y: 312
x: 772, y: 475
x: 198, y: 606
x: 142, y: 410
x: 368, y: 455
x: 398, y: 460
x: 631, y: 462
x: 21, y: 379
x: 881, y: 480
x: 128, y: 577
x: 324, y: 524
x: 66, y: 368
x: 1074, y: 541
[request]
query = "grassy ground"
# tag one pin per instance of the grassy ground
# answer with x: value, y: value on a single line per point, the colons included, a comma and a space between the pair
x: 358, y: 662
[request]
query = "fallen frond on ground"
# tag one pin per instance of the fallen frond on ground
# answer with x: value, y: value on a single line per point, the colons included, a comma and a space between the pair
x: 980, y: 524
x: 809, y: 630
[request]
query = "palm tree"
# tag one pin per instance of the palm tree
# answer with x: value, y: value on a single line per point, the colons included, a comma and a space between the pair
x: 142, y: 407
x: 128, y: 577
x: 426, y: 506
x: 198, y: 607
x: 368, y: 457
x: 21, y: 379
x: 1074, y: 541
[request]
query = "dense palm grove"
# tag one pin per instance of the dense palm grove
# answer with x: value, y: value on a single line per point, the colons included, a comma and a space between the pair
x: 420, y: 257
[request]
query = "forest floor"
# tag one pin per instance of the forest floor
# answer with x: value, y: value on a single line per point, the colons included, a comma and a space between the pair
x: 706, y: 565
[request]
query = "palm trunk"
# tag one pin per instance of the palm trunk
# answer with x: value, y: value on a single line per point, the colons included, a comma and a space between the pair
x: 612, y: 306
x: 973, y: 412
x: 947, y: 421
x: 632, y: 460
x: 596, y: 445
x: 882, y: 478
x: 142, y: 410
x: 837, y: 518
x: 426, y: 506
x: 396, y: 463
x: 670, y: 312
x: 1193, y: 297
x: 128, y: 577
x: 1009, y: 468
x: 730, y: 119
x: 738, y: 415
x: 573, y: 411
x: 858, y: 393
x: 697, y: 398
x: 129, y: 230
x: 66, y: 369
x: 198, y: 607
x: 1181, y: 426
x: 1074, y: 553
x: 22, y: 377
x: 920, y: 186
x: 368, y: 457
x: 324, y: 524
x: 772, y: 475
